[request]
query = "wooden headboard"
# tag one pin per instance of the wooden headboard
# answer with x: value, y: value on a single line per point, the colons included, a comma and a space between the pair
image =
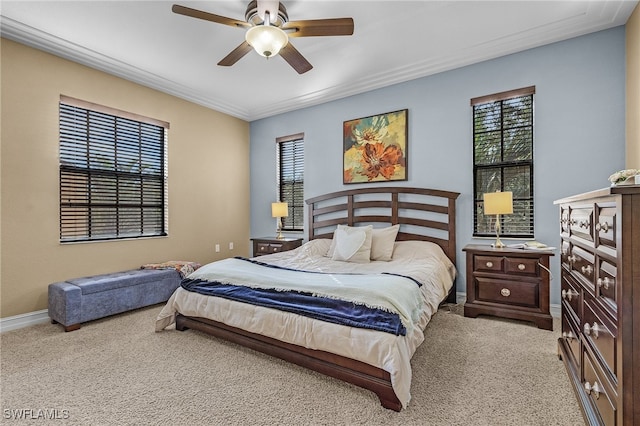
x: 423, y: 214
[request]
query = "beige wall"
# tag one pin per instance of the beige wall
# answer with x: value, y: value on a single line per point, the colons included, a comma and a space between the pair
x: 208, y: 178
x: 633, y: 90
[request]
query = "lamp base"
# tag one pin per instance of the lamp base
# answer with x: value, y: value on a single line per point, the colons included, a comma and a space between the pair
x: 279, y: 236
x: 499, y: 244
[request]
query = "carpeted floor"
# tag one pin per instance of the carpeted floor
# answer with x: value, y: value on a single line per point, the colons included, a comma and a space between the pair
x: 118, y: 371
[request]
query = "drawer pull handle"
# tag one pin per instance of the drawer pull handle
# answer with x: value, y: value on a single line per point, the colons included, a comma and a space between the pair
x: 489, y: 264
x: 592, y: 330
x: 604, y: 227
x: 595, y: 389
x: 584, y: 224
x: 587, y: 269
x: 605, y: 282
x: 572, y: 258
x: 522, y: 267
x: 569, y: 294
x: 568, y: 335
x: 505, y: 292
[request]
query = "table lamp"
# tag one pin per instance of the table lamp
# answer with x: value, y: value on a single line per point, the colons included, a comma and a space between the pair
x: 498, y: 203
x: 279, y: 210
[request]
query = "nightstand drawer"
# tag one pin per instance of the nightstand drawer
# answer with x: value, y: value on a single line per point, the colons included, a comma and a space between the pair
x: 524, y: 266
x: 270, y: 245
x: 507, y: 292
x: 488, y: 263
x: 266, y: 248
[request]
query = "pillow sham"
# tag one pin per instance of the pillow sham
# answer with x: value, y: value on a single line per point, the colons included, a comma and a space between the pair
x: 382, y: 242
x: 352, y: 244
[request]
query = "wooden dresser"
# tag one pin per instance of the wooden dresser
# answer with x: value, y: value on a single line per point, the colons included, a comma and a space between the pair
x: 600, y: 291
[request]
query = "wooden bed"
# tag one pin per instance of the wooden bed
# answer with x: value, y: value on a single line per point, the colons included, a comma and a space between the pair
x: 423, y: 214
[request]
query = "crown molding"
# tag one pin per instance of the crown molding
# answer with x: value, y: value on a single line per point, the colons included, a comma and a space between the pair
x: 32, y: 37
x: 595, y: 16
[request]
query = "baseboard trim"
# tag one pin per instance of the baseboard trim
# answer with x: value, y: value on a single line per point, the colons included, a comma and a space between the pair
x: 554, y: 309
x: 24, y: 320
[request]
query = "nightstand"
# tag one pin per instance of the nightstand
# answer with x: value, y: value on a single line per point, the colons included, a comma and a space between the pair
x: 270, y: 245
x: 508, y: 283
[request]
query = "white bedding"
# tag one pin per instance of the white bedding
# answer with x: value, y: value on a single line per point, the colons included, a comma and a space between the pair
x: 422, y: 261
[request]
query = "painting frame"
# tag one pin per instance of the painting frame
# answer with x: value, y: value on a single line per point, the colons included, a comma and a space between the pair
x: 374, y: 148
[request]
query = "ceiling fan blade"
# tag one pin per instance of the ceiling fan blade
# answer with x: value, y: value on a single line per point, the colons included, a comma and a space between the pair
x: 235, y: 55
x: 319, y: 27
x: 295, y: 59
x: 194, y: 13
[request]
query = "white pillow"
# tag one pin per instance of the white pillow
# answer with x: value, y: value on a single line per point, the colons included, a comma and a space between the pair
x: 352, y: 244
x: 382, y: 242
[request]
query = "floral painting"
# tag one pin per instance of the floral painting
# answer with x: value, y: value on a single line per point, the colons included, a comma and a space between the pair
x: 375, y: 148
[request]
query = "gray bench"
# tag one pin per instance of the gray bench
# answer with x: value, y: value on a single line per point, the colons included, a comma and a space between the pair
x: 79, y: 300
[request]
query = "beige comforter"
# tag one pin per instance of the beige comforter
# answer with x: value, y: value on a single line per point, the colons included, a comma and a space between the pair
x: 422, y: 261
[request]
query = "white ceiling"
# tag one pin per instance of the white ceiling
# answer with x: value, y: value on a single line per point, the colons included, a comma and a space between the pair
x: 393, y: 41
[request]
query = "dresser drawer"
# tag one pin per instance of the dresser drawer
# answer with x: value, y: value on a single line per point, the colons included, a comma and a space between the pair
x: 605, y: 227
x: 564, y: 221
x: 601, y: 334
x: 582, y: 266
x: 571, y: 295
x: 508, y: 292
x: 571, y: 336
x: 565, y: 252
x: 596, y: 389
x: 580, y: 223
x: 606, y: 288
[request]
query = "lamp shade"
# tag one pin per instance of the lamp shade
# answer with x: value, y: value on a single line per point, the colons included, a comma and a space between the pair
x: 279, y: 209
x: 498, y: 203
x: 266, y: 39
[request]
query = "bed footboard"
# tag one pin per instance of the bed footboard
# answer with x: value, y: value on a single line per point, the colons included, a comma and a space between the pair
x: 352, y: 371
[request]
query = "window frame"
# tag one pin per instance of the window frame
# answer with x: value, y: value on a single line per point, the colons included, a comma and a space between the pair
x: 101, y: 200
x: 294, y: 222
x: 511, y: 227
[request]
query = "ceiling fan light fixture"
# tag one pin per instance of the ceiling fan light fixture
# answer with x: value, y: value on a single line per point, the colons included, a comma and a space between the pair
x: 266, y: 39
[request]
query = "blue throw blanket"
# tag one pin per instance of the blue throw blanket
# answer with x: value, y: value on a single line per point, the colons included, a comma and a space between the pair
x: 322, y: 308
x: 383, y: 302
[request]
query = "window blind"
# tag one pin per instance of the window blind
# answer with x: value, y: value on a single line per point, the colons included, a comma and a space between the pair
x: 503, y: 159
x: 290, y: 164
x: 113, y: 174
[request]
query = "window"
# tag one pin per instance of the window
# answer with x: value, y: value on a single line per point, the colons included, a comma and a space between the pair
x: 503, y: 159
x: 113, y: 173
x: 290, y: 169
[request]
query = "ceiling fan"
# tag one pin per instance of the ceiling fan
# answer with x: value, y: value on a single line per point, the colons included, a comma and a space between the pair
x: 268, y: 31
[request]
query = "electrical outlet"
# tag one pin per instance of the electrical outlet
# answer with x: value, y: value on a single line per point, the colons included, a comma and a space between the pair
x: 217, y: 248
x: 231, y: 245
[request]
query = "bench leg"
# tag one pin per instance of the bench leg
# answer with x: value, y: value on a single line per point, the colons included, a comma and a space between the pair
x: 72, y: 327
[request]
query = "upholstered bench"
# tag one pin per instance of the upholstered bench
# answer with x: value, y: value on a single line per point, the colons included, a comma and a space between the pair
x: 79, y: 300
